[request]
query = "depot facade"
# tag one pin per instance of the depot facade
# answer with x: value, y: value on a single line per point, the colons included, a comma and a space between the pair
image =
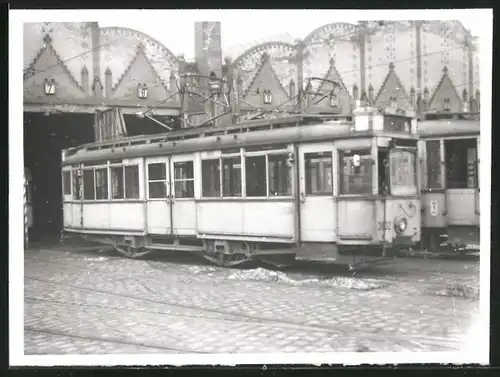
x: 430, y: 66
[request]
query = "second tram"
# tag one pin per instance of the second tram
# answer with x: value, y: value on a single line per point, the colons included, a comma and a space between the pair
x: 450, y: 185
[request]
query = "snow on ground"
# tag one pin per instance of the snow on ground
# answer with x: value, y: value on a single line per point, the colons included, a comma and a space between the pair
x: 196, y: 270
x: 262, y: 274
x: 99, y: 259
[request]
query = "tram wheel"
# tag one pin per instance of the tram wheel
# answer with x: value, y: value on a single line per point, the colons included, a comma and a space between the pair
x: 132, y: 252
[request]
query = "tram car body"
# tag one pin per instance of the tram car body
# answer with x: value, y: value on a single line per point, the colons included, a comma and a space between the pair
x: 261, y: 189
x: 28, y: 204
x: 450, y: 186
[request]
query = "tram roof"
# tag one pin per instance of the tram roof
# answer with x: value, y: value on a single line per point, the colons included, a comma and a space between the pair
x: 205, y: 131
x: 165, y: 145
x: 448, y: 127
x: 188, y: 133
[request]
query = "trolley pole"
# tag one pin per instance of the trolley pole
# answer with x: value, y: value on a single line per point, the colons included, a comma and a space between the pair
x: 26, y: 234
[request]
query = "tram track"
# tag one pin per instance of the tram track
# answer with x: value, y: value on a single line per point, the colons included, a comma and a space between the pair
x: 302, y: 269
x: 432, y: 285
x: 314, y: 269
x: 143, y: 281
x: 107, y: 340
x: 346, y: 330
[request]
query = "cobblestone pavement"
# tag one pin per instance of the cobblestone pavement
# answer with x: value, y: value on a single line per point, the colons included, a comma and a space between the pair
x: 91, y: 303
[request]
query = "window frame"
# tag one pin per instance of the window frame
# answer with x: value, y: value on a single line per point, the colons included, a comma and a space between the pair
x: 166, y: 181
x: 124, y: 165
x: 285, y: 153
x: 64, y: 183
x: 242, y: 174
x: 218, y: 159
x: 446, y: 180
x: 266, y: 153
x: 306, y: 180
x: 174, y: 180
x: 92, y: 170
x: 244, y: 178
x: 403, y: 190
x: 364, y: 154
x: 442, y: 185
x: 78, y: 178
x: 242, y: 155
x: 106, y: 168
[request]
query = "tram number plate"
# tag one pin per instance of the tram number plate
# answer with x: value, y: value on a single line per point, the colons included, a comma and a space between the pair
x: 434, y: 207
x: 384, y: 225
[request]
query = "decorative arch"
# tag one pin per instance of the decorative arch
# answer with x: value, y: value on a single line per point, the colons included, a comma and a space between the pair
x: 261, y: 48
x: 338, y: 30
x: 456, y: 30
x: 374, y: 27
x: 156, y: 43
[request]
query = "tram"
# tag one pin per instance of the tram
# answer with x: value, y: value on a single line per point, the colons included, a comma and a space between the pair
x: 261, y: 189
x: 449, y: 148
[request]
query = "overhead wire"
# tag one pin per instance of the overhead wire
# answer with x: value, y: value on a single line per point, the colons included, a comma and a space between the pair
x: 64, y: 61
x: 301, y: 92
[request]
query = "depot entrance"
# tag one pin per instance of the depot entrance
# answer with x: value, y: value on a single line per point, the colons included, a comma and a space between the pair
x: 44, y: 138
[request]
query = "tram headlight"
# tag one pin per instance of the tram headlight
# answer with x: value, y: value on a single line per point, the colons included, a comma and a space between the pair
x: 400, y: 225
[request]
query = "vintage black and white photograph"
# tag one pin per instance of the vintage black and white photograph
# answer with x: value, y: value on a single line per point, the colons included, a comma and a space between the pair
x: 249, y: 187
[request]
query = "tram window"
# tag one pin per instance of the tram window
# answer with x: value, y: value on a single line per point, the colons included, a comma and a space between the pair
x: 88, y: 185
x: 461, y: 163
x: 383, y: 181
x: 231, y: 176
x: 433, y: 151
x: 319, y: 173
x: 210, y: 171
x: 280, y: 183
x: 101, y: 184
x: 117, y: 182
x: 403, y: 172
x: 76, y: 187
x: 184, y: 179
x: 157, y: 171
x: 131, y: 182
x: 157, y: 180
x: 66, y: 182
x: 255, y: 179
x: 355, y: 179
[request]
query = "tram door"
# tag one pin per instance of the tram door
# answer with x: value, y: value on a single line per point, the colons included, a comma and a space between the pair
x: 159, y: 215
x: 462, y: 181
x: 183, y: 205
x: 317, y: 212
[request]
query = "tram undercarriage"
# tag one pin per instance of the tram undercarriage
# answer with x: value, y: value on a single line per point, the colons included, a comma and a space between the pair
x: 234, y: 254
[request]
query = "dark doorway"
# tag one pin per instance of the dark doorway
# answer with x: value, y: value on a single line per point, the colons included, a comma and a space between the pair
x: 44, y: 138
x: 461, y: 163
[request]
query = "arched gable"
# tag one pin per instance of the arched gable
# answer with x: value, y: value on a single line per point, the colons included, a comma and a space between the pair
x: 282, y: 60
x: 337, y: 30
x: 338, y: 41
x: 47, y: 68
x: 71, y: 40
x: 119, y: 48
x: 445, y: 92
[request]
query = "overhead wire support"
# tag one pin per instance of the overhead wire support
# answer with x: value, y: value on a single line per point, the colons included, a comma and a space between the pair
x: 302, y: 94
x: 212, y: 79
x: 158, y: 122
